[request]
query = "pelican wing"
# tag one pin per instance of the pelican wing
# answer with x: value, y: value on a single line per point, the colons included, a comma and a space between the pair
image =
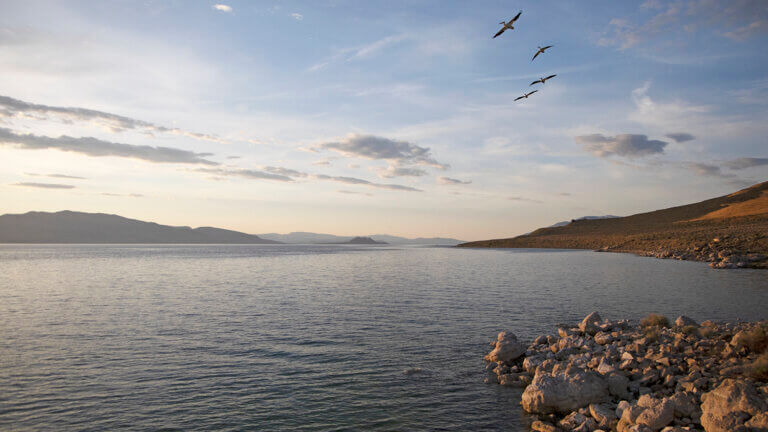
x: 519, y: 97
x: 536, y: 55
x: 532, y: 92
x: 503, y: 29
x: 516, y: 17
x: 537, y: 81
x: 546, y: 47
x: 549, y: 77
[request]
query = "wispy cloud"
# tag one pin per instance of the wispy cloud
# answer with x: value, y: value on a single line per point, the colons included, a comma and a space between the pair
x: 737, y: 20
x: 396, y: 171
x: 746, y: 162
x: 452, y: 181
x: 131, y: 195
x: 98, y: 148
x: 61, y: 176
x: 289, y: 175
x: 348, y: 192
x: 10, y: 107
x: 680, y: 137
x: 44, y: 185
x: 523, y: 199
x: 380, y: 148
x: 357, y: 181
x: 626, y: 145
x: 222, y: 8
x: 245, y: 173
x: 708, y: 170
x: 297, y: 16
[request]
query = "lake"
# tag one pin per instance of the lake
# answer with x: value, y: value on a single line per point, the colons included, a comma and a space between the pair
x: 307, y: 337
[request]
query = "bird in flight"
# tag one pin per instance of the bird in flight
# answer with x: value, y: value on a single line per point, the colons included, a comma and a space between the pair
x: 525, y: 96
x: 541, y: 51
x: 507, y: 25
x: 542, y: 80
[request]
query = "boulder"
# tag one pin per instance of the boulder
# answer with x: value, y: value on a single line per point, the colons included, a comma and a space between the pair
x: 657, y: 413
x: 563, y: 392
x: 729, y: 406
x: 602, y: 413
x: 653, y: 414
x: 540, y: 426
x: 685, y: 404
x: 591, y: 324
x: 507, y: 349
x: 617, y: 386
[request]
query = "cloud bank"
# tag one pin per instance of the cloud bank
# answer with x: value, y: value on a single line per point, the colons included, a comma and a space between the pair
x: 625, y: 145
x: 380, y: 148
x: 10, y: 107
x: 98, y: 148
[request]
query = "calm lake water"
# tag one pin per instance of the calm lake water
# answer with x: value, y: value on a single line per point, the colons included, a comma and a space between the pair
x: 310, y: 338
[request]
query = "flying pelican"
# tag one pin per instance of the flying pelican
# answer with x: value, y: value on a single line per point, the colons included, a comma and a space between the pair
x: 542, y: 80
x: 507, y: 25
x: 541, y: 51
x: 525, y: 96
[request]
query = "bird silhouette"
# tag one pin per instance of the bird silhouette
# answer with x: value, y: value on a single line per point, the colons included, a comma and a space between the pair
x: 542, y: 80
x: 507, y: 25
x: 525, y: 96
x: 541, y: 51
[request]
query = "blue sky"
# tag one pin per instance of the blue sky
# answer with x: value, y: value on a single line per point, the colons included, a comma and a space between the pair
x: 362, y: 117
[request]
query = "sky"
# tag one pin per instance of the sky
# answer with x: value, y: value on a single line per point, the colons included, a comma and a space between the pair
x: 397, y: 117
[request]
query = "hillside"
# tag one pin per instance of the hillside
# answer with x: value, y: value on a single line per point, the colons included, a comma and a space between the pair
x: 76, y: 227
x: 728, y: 231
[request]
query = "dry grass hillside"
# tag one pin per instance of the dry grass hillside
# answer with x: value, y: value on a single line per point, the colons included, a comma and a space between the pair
x: 732, y: 230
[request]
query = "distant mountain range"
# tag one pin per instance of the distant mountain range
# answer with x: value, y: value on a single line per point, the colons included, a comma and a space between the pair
x: 310, y: 238
x: 77, y: 227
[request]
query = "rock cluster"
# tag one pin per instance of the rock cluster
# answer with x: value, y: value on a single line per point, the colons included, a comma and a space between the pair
x: 718, y: 253
x: 615, y: 376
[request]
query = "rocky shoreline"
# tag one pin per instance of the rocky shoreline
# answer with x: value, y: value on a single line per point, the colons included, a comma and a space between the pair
x: 603, y: 375
x: 720, y: 253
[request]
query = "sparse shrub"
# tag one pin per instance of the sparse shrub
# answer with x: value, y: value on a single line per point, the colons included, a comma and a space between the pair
x: 759, y: 368
x: 654, y: 320
x: 755, y: 340
x: 690, y: 330
x: 652, y: 334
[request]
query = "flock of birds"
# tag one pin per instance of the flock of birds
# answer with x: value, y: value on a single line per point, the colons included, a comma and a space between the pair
x: 541, y: 49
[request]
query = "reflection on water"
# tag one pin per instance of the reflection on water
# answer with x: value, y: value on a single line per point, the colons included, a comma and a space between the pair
x: 306, y: 337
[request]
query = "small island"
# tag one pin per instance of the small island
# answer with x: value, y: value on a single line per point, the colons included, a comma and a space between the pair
x: 360, y: 241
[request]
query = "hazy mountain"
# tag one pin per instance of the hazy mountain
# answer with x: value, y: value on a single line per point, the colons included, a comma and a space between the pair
x: 309, y: 238
x: 564, y: 223
x: 76, y: 227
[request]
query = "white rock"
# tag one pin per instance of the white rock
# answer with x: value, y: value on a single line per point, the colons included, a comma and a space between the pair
x: 564, y: 392
x: 507, y: 348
